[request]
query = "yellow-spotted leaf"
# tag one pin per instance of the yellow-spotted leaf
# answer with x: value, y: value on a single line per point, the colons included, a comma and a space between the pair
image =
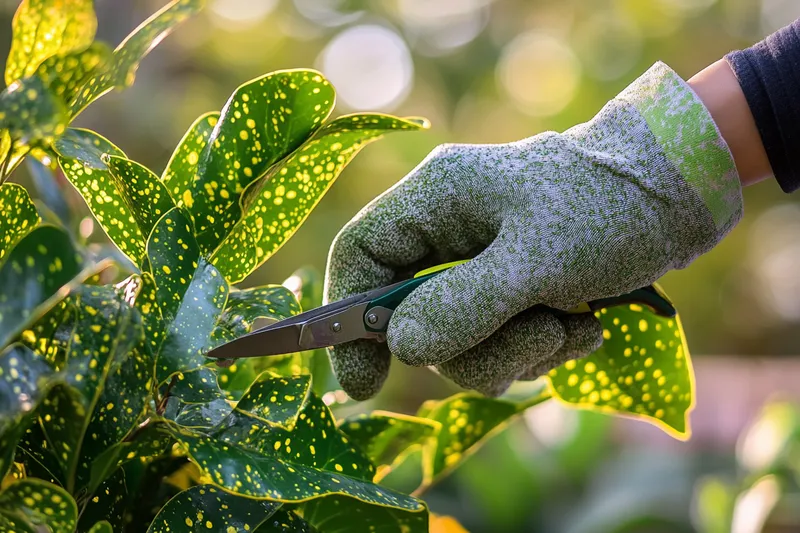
x: 19, y: 216
x: 335, y: 514
x: 80, y: 155
x: 150, y: 441
x: 244, y: 307
x: 253, y: 457
x: 45, y: 28
x: 31, y: 505
x: 295, y: 187
x: 387, y: 438
x: 102, y: 335
x: 31, y: 114
x: 287, y: 522
x: 264, y: 121
x: 120, y: 69
x: 276, y: 399
x: 642, y: 370
x: 207, y: 508
x: 196, y: 400
x: 182, y: 165
x: 36, y: 274
x: 190, y: 293
x: 144, y: 194
x: 63, y: 74
x: 107, y: 503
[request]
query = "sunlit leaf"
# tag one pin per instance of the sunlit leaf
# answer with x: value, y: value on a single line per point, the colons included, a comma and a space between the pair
x: 19, y: 216
x: 244, y: 307
x: 64, y: 74
x: 182, y: 165
x: 36, y: 274
x: 80, y: 155
x: 191, y: 294
x: 37, y: 504
x: 295, y: 187
x: 642, y: 370
x: 144, y: 194
x: 104, y: 332
x: 335, y: 514
x: 120, y: 69
x: 262, y: 122
x: 276, y: 399
x: 45, y: 28
x: 445, y: 524
x: 207, y: 508
x: 31, y: 114
x: 387, y: 438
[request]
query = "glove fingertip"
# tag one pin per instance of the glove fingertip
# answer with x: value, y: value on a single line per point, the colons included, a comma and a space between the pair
x: 361, y: 367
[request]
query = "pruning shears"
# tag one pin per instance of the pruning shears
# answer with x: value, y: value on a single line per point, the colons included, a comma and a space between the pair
x: 366, y: 316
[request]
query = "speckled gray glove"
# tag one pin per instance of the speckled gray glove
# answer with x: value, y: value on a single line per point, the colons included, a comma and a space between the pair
x: 604, y: 208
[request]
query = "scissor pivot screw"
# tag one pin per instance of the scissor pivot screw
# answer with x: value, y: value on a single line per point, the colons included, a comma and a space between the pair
x: 372, y: 318
x: 336, y: 327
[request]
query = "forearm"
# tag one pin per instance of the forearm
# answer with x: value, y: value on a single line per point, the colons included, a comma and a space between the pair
x: 720, y: 92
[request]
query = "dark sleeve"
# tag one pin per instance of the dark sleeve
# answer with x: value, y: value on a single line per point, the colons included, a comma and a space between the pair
x: 769, y: 74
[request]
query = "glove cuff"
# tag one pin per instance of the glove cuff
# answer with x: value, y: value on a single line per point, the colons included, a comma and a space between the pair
x: 690, y: 140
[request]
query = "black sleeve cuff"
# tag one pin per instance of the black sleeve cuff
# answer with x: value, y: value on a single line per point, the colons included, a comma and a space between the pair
x: 769, y: 74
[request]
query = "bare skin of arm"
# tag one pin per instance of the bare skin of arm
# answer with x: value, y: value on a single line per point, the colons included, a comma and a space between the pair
x: 717, y: 87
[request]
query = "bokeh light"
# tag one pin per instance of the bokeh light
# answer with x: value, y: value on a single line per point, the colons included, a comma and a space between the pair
x: 439, y: 27
x: 540, y: 73
x: 241, y: 12
x: 370, y: 66
x: 330, y: 13
x: 609, y: 45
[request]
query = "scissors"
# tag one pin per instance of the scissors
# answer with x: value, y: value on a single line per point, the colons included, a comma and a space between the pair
x: 366, y: 316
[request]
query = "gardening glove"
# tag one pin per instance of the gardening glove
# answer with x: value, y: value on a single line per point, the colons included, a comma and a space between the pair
x: 604, y: 208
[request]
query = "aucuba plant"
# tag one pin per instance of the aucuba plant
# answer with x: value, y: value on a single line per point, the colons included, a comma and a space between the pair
x: 112, y: 419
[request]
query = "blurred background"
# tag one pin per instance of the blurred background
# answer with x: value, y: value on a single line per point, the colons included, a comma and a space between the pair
x: 487, y: 71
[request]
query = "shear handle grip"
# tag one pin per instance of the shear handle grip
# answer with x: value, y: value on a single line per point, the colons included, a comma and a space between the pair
x: 650, y: 297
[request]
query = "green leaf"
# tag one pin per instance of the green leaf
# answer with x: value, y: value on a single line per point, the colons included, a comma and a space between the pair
x: 102, y: 527
x: 19, y: 216
x: 106, y: 503
x: 642, y: 370
x: 264, y: 120
x: 196, y: 400
x: 335, y: 514
x: 45, y: 28
x: 37, y: 274
x: 207, y: 508
x: 35, y: 453
x: 295, y: 186
x: 150, y: 441
x: 191, y: 294
x: 24, y: 383
x: 182, y: 166
x: 105, y: 329
x: 387, y: 438
x: 244, y: 307
x: 38, y: 505
x: 286, y: 522
x: 63, y: 74
x: 32, y: 115
x: 275, y: 399
x: 253, y: 457
x: 80, y: 155
x: 144, y: 194
x: 120, y: 70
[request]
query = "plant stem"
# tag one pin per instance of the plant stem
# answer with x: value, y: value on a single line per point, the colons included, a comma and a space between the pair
x: 6, y: 161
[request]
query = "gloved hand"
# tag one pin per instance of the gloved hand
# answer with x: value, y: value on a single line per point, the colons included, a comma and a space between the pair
x: 606, y: 207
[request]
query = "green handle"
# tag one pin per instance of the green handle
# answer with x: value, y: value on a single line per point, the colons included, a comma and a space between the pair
x: 651, y: 297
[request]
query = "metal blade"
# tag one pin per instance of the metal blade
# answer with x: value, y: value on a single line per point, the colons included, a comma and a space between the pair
x: 277, y: 339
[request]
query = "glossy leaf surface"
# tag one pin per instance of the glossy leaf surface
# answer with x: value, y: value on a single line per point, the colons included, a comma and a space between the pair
x: 19, y: 216
x: 31, y: 114
x: 208, y: 508
x: 262, y: 122
x: 182, y: 165
x: 191, y: 294
x: 120, y: 70
x: 64, y: 74
x: 335, y: 514
x: 45, y: 28
x: 32, y: 277
x: 244, y: 307
x: 295, y: 187
x: 80, y: 155
x: 37, y: 504
x: 642, y: 370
